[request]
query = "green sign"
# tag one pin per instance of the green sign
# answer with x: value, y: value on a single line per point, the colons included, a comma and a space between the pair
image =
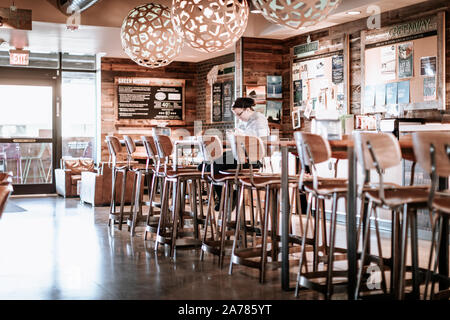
x: 411, y: 28
x: 306, y: 49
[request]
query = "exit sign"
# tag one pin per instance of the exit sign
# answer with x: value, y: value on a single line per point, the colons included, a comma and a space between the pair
x: 19, y: 57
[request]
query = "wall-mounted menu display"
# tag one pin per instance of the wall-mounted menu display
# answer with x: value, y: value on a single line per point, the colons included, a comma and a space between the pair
x: 220, y: 92
x: 402, y: 67
x: 222, y: 100
x: 227, y: 100
x: 217, y: 102
x: 320, y: 80
x: 150, y: 98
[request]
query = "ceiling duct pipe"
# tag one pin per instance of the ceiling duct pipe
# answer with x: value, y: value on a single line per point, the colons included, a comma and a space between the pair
x: 70, y: 6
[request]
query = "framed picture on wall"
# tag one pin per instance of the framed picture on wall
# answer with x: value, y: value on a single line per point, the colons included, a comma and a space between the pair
x: 256, y: 92
x: 273, y: 111
x: 274, y: 87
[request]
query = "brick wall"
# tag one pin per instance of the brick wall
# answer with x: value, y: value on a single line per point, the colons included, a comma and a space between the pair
x: 203, y: 105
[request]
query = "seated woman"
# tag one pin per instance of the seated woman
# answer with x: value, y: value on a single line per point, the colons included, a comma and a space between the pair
x: 250, y: 123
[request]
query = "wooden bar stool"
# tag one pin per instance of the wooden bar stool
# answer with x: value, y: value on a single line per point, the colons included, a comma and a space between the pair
x: 140, y: 172
x: 178, y: 181
x: 432, y: 150
x: 249, y: 150
x: 312, y: 150
x: 211, y: 149
x: 115, y: 148
x: 381, y: 151
x: 157, y: 176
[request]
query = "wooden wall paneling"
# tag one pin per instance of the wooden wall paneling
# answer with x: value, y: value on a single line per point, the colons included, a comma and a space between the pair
x: 118, y: 67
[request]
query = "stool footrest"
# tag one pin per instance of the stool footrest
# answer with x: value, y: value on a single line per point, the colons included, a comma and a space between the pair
x: 182, y: 242
x: 306, y: 281
x: 214, y: 247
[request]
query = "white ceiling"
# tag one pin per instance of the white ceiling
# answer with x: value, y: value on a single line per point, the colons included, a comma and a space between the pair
x: 100, y: 27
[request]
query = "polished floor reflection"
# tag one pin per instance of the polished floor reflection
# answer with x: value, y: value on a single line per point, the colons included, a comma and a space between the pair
x: 55, y: 248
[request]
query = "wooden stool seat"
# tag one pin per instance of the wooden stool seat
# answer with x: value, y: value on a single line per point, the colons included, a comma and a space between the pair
x: 399, y: 196
x: 442, y: 204
x: 185, y: 174
x: 326, y: 187
x: 262, y: 182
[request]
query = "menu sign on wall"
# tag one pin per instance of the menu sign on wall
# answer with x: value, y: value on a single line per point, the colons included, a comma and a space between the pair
x: 228, y: 93
x: 217, y: 102
x: 148, y: 100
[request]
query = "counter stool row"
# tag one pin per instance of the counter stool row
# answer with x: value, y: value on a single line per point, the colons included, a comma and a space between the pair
x: 252, y: 238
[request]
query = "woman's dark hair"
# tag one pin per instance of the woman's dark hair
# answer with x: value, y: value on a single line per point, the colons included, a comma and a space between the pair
x: 243, y: 103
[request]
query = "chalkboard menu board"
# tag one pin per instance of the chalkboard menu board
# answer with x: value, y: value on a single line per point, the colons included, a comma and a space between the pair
x: 139, y: 99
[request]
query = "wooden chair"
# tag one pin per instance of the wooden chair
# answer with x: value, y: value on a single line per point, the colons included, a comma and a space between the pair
x: 5, y: 189
x: 314, y: 149
x: 432, y: 151
x: 381, y: 151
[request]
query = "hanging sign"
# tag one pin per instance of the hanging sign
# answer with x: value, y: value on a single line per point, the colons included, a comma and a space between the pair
x: 306, y: 49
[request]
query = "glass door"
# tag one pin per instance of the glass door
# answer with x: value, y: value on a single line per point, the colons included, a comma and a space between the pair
x: 27, y: 139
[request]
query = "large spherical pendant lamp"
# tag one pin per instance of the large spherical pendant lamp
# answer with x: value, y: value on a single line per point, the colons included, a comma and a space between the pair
x: 148, y: 36
x: 210, y: 25
x: 295, y: 13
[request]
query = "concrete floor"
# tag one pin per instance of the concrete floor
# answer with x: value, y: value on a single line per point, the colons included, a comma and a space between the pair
x: 63, y: 249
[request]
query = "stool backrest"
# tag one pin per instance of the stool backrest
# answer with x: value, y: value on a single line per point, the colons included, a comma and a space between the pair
x: 130, y: 145
x: 246, y: 149
x: 432, y: 151
x: 150, y: 149
x: 211, y: 149
x: 429, y: 145
x: 131, y: 148
x: 5, y: 189
x: 114, y: 148
x: 164, y: 147
x: 312, y: 149
x: 377, y: 151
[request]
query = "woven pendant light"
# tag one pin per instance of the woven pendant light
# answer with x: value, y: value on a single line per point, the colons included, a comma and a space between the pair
x: 210, y: 25
x: 148, y: 36
x: 295, y: 13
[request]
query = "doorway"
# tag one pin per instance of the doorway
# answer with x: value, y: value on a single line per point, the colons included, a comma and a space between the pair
x: 28, y: 129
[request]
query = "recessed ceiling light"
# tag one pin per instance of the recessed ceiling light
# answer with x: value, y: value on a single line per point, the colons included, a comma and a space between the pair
x: 353, y: 13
